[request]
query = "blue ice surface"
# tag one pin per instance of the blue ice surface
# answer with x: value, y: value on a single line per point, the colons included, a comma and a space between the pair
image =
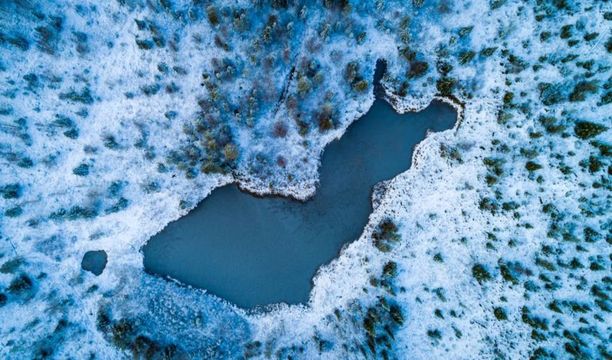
x: 94, y: 261
x: 255, y: 251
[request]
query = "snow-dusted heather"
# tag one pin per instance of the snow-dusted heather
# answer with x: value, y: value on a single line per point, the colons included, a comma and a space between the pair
x: 117, y: 117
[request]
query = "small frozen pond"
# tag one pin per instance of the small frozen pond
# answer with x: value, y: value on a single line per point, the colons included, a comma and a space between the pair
x: 94, y: 261
x: 258, y: 251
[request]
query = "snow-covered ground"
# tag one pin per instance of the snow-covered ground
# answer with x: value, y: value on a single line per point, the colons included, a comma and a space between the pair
x: 118, y: 117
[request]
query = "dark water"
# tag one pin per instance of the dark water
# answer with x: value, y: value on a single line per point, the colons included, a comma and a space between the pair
x: 94, y: 261
x: 257, y: 251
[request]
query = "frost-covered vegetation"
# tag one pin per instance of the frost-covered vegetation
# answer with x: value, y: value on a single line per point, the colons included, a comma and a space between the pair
x: 117, y: 117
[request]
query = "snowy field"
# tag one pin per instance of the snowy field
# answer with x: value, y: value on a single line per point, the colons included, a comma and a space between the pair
x: 118, y: 117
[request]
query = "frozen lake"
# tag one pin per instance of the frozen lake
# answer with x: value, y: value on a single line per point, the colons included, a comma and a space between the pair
x: 256, y: 251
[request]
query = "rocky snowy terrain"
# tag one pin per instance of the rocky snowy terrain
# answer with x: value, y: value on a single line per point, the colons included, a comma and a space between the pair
x: 118, y: 117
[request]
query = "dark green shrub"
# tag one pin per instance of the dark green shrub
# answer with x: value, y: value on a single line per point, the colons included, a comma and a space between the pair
x: 511, y: 205
x: 570, y: 57
x: 11, y: 191
x: 592, y: 163
x: 74, y: 213
x: 566, y: 31
x: 508, y: 96
x: 110, y: 142
x: 408, y: 54
x: 445, y: 85
x: 533, y: 321
x: 351, y: 71
x: 545, y: 264
x: 434, y: 334
x: 337, y: 5
x: 81, y: 42
x: 84, y: 97
x: 417, y: 69
x: 500, y: 314
x: 213, y: 17
x: 122, y: 333
x: 81, y: 170
x: 515, y: 64
x: 495, y: 165
x: 145, y: 347
x: 550, y: 94
x: 159, y: 41
x: 252, y: 349
x: 598, y: 292
x: 10, y: 266
x: 554, y: 306
x: 466, y: 56
x: 587, y: 65
x: 78, y: 212
x: 25, y: 162
x: 116, y: 188
x: 14, y: 211
x: 151, y: 89
x: 72, y: 133
x: 141, y: 24
x: 103, y: 320
x: 507, y: 274
x: 390, y: 269
x: 464, y: 31
x: 532, y: 166
x: 121, y: 204
x: 19, y: 42
x: 488, y: 204
x: 151, y: 187
x: 586, y: 130
x: 32, y: 80
x: 230, y: 151
x: 46, y: 38
x: 551, y: 125
x: 325, y: 117
x: 6, y: 110
x: 361, y: 85
x: 444, y: 67
x: 606, y: 98
x: 582, y: 89
x: 496, y: 4
x: 211, y: 167
x: 360, y: 37
x: 438, y: 313
x: 146, y: 44
x: 303, y: 85
x: 396, y: 314
x: 480, y: 273
x: 64, y: 122
x: 20, y: 284
x: 486, y: 52
x: 385, y: 235
x: 280, y: 129
x: 170, y: 351
x: 591, y: 235
x: 352, y: 76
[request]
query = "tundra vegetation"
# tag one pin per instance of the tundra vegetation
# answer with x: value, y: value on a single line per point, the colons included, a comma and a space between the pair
x: 496, y: 245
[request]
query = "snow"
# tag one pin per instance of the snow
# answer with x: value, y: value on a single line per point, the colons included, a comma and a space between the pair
x: 556, y: 302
